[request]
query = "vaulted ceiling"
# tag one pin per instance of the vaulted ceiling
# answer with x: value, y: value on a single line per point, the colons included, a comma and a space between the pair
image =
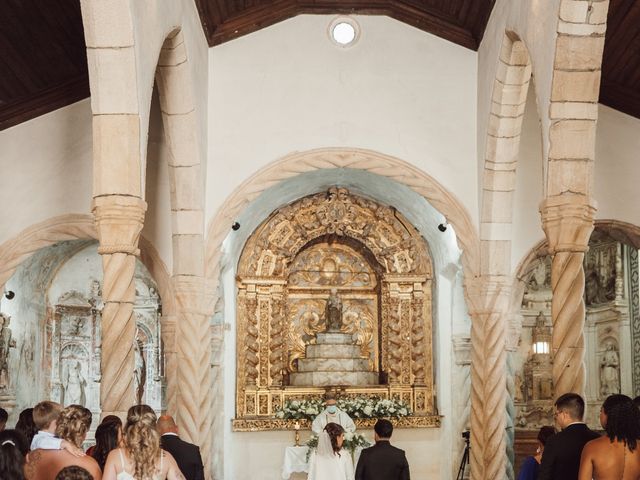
x: 43, y: 63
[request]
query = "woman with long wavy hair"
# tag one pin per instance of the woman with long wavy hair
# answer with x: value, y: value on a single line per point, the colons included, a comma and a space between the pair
x: 73, y: 424
x: 141, y: 457
x: 616, y: 455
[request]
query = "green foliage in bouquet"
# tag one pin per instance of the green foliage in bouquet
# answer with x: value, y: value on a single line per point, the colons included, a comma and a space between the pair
x: 351, y: 442
x: 354, y: 407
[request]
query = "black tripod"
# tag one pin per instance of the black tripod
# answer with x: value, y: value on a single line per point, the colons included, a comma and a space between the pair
x: 465, y: 455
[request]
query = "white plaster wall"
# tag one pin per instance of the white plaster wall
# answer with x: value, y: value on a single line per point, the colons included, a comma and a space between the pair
x: 527, y: 226
x: 398, y: 91
x: 617, y: 166
x: 45, y: 168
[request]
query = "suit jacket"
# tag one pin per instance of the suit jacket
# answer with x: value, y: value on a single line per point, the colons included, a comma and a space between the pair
x: 383, y: 461
x: 561, y: 456
x: 186, y: 454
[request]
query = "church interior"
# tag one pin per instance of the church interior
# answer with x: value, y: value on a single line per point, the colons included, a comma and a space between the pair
x: 228, y: 209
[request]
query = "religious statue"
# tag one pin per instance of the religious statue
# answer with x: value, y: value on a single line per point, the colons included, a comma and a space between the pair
x: 610, y: 371
x: 333, y: 312
x: 139, y: 372
x: 74, y: 384
x: 594, y: 292
x: 6, y: 343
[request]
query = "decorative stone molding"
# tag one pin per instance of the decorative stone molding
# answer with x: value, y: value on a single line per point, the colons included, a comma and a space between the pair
x: 271, y: 424
x: 119, y: 221
x: 568, y: 222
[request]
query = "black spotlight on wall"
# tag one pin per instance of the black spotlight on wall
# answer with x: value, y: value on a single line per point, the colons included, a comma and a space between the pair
x: 443, y: 226
x: 235, y: 227
x: 8, y: 294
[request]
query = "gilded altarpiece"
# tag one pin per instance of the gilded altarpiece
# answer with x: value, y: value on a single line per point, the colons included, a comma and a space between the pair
x: 366, y: 254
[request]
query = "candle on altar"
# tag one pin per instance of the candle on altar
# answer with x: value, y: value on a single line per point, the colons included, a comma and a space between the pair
x: 297, y: 425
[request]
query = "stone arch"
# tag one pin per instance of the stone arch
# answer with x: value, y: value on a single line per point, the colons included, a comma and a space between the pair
x: 489, y: 296
x: 328, y: 158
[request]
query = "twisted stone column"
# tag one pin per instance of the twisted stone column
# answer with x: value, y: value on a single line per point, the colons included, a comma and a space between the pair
x: 195, y: 389
x: 568, y: 223
x: 119, y: 221
x: 488, y: 301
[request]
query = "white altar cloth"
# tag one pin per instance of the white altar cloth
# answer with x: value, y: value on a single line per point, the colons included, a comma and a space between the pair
x: 295, y: 460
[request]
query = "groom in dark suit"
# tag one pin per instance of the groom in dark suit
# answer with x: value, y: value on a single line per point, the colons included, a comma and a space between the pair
x: 561, y: 456
x: 186, y: 454
x: 382, y: 461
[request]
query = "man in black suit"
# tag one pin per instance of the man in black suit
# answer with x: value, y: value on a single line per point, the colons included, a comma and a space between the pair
x: 561, y: 456
x: 382, y: 461
x: 186, y: 454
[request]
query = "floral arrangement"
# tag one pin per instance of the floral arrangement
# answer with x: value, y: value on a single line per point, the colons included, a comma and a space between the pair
x: 354, y: 407
x: 301, y: 409
x: 351, y: 442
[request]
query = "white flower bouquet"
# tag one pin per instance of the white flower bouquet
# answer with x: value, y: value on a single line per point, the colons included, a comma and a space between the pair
x: 301, y: 409
x: 373, y: 407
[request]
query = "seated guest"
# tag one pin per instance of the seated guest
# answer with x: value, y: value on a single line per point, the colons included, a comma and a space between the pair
x: 45, y: 417
x: 187, y: 455
x: 26, y: 426
x: 72, y: 426
x: 107, y: 419
x: 141, y: 456
x: 13, y: 449
x: 74, y: 472
x: 108, y: 437
x: 531, y: 464
x: 616, y: 455
x: 561, y: 456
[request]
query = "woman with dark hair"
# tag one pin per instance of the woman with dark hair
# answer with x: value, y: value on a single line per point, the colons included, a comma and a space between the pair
x: 329, y: 461
x: 531, y: 464
x: 72, y: 425
x: 141, y: 457
x: 13, y: 448
x: 108, y: 437
x: 615, y: 455
x: 26, y: 426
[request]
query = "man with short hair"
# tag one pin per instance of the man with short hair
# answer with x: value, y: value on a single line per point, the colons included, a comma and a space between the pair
x: 561, y: 456
x: 186, y: 454
x: 383, y: 461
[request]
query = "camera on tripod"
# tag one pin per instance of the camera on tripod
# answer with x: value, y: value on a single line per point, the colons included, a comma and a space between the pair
x: 466, y: 434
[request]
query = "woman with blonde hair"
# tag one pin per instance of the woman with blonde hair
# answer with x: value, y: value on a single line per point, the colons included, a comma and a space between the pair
x: 72, y: 425
x: 141, y: 458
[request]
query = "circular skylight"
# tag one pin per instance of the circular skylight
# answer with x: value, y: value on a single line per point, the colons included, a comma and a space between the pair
x: 344, y: 31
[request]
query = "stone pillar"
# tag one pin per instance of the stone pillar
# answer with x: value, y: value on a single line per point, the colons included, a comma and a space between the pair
x: 119, y: 221
x: 568, y: 222
x: 168, y: 332
x: 461, y: 393
x: 488, y: 300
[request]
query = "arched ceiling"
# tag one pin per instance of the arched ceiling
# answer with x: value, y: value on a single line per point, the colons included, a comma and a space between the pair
x: 44, y: 66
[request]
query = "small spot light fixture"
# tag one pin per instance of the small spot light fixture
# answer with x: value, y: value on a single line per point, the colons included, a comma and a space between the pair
x: 235, y: 227
x: 9, y: 294
x: 443, y: 226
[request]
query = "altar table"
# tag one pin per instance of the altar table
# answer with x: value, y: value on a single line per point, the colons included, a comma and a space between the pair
x: 295, y: 460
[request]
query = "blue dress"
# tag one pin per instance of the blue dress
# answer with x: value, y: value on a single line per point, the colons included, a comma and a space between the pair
x: 529, y: 469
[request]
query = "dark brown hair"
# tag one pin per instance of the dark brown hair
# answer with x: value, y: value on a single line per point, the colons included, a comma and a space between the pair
x: 334, y: 430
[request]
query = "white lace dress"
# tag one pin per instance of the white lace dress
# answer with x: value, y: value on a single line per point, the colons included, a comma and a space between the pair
x: 327, y: 465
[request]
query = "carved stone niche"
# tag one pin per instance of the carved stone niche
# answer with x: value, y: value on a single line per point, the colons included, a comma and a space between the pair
x: 374, y: 261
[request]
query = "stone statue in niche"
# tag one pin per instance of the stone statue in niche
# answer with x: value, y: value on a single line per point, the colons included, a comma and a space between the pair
x: 333, y: 312
x: 74, y: 384
x: 140, y: 371
x: 610, y: 371
x: 6, y: 344
x: 594, y: 293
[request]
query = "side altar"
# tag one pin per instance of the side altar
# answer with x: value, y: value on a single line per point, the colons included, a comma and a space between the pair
x: 334, y: 293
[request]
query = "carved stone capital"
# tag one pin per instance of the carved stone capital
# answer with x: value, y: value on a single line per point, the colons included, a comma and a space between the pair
x: 462, y: 349
x: 119, y: 221
x: 567, y: 221
x: 487, y: 295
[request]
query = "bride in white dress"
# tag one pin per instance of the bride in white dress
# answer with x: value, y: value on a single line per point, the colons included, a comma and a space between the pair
x: 330, y: 461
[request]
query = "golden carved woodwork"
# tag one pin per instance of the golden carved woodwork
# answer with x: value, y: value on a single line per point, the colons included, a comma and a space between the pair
x: 381, y: 270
